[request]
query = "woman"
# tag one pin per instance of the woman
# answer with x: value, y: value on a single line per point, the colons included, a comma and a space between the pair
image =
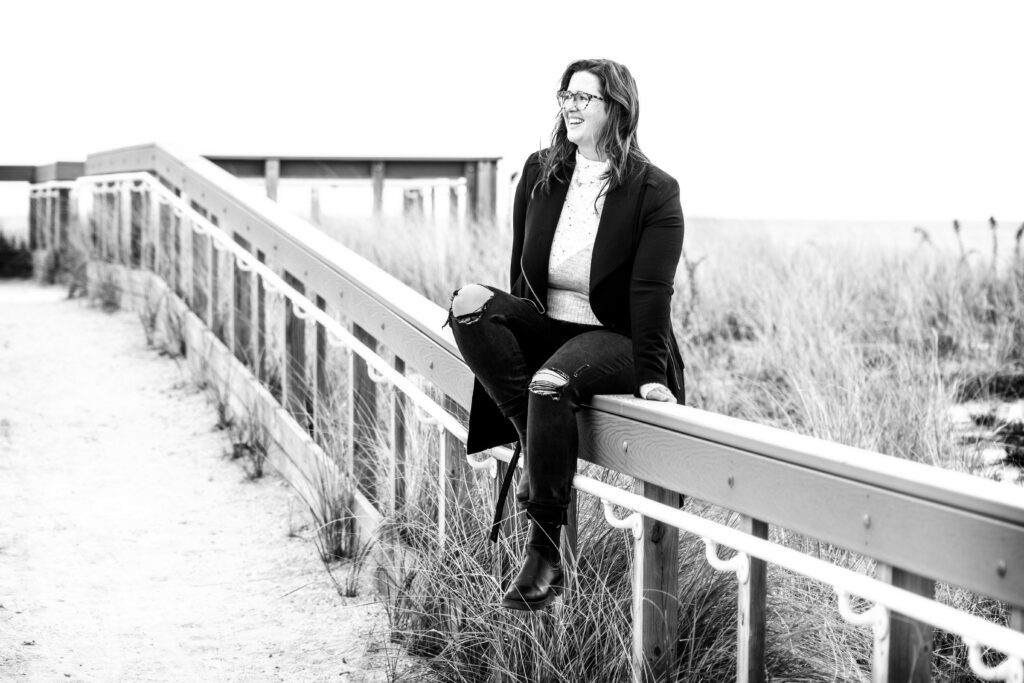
x: 597, y: 233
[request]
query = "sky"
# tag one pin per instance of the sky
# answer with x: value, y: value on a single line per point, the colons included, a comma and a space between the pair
x: 775, y: 110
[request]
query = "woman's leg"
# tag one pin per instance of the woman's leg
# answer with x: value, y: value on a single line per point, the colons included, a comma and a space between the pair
x: 595, y: 362
x: 503, y: 339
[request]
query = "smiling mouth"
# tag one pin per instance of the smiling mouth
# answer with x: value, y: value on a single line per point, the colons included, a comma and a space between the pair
x: 573, y: 121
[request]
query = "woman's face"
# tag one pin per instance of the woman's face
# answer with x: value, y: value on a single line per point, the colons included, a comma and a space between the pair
x: 583, y: 126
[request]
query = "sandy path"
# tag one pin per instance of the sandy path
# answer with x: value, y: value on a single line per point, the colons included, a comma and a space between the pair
x: 130, y: 548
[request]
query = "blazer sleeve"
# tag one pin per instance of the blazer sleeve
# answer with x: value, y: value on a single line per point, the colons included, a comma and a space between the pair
x: 654, y: 268
x: 519, y: 205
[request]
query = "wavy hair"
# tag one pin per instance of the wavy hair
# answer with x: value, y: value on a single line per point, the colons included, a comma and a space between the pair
x: 617, y: 141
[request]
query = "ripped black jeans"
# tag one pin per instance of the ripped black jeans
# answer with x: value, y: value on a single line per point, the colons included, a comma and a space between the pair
x: 542, y: 368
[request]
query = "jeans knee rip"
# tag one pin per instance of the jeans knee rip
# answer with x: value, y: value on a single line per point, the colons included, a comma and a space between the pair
x: 548, y: 382
x: 467, y: 318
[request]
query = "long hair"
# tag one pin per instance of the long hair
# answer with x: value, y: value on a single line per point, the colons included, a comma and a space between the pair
x: 617, y: 142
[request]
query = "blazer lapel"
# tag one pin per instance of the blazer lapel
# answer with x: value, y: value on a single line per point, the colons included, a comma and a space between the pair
x: 541, y: 220
x: 614, y: 241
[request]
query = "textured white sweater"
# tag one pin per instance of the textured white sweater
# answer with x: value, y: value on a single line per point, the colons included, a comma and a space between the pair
x: 573, y: 244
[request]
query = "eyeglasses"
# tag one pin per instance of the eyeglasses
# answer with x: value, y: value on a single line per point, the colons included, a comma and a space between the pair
x: 580, y: 99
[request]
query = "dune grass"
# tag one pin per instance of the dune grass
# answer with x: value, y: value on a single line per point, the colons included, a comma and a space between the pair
x: 844, y: 337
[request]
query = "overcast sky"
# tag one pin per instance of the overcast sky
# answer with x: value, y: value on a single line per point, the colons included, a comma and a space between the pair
x: 885, y: 110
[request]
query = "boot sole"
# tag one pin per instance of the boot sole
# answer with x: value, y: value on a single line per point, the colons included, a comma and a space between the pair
x: 527, y: 606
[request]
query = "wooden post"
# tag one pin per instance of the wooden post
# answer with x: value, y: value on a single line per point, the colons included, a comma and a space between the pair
x: 753, y: 594
x: 63, y: 216
x: 320, y: 403
x: 453, y: 207
x: 459, y: 474
x: 33, y: 220
x: 243, y: 308
x: 271, y: 175
x: 296, y: 393
x: 377, y: 175
x: 398, y: 447
x: 153, y: 225
x: 125, y: 223
x: 261, y: 325
x: 364, y: 419
x: 909, y: 658
x: 486, y: 188
x: 503, y: 564
x: 472, y: 191
x: 656, y: 624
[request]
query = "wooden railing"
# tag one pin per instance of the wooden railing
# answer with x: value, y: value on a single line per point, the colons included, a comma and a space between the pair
x: 222, y: 247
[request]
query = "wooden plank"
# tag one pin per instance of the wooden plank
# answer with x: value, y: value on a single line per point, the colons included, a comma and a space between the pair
x: 460, y: 477
x: 242, y: 308
x: 33, y: 222
x: 472, y: 191
x: 364, y: 421
x: 910, y: 642
x: 974, y: 494
x: 440, y: 365
x: 296, y: 389
x: 63, y: 216
x: 399, y: 448
x: 320, y: 405
x: 377, y: 171
x: 887, y: 525
x: 17, y: 174
x: 486, y: 187
x: 398, y: 168
x: 752, y: 608
x: 657, y: 622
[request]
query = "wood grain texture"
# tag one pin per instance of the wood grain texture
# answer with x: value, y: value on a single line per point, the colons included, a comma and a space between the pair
x: 910, y: 642
x: 752, y: 611
x: 659, y: 610
x: 888, y: 526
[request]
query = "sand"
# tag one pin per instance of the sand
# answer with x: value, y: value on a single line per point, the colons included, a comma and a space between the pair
x: 131, y: 547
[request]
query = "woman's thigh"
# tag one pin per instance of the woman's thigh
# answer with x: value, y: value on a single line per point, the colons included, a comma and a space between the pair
x: 594, y: 362
x: 494, y: 323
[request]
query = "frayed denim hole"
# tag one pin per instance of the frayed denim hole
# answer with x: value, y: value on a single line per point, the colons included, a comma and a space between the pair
x: 472, y: 316
x: 549, y: 383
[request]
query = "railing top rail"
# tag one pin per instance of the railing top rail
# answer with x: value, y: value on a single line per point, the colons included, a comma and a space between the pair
x: 926, y: 482
x: 384, y: 158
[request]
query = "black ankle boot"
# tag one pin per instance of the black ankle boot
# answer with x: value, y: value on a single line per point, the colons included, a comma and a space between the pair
x: 540, y: 578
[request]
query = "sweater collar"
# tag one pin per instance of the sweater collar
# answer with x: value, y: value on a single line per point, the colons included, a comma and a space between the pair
x: 588, y: 171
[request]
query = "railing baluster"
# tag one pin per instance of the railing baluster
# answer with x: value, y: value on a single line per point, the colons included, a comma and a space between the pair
x: 659, y: 607
x: 910, y: 642
x: 364, y: 419
x: 750, y: 663
x: 398, y: 445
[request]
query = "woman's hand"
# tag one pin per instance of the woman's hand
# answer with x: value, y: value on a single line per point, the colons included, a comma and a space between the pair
x: 657, y: 392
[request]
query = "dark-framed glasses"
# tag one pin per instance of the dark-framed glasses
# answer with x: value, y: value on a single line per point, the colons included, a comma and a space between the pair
x: 580, y: 99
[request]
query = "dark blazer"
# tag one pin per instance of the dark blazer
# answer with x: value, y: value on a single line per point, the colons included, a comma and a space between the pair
x: 636, y: 251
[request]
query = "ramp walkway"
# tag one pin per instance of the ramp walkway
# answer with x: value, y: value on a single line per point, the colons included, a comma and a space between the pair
x: 131, y: 548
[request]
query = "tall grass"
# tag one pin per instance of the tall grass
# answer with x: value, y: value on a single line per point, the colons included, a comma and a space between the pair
x: 842, y: 337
